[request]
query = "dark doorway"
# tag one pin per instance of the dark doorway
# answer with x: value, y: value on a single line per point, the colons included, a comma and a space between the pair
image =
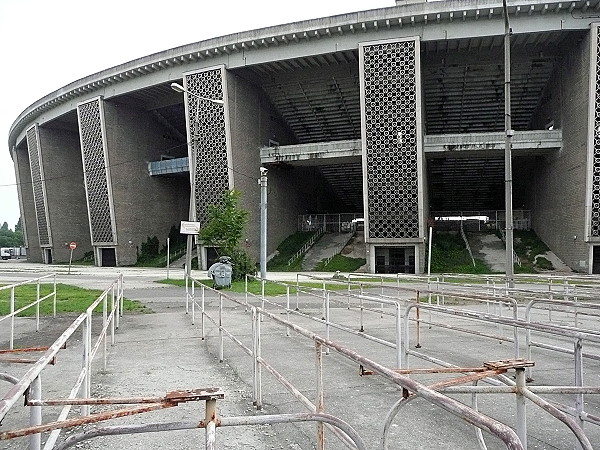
x: 596, y: 259
x: 109, y: 257
x: 48, y: 252
x: 394, y: 260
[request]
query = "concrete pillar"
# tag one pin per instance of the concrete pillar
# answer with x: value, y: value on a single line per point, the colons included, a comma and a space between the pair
x: 392, y: 139
x: 26, y: 203
x: 65, y: 193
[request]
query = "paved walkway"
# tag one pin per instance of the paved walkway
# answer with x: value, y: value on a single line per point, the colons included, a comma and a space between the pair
x: 161, y: 352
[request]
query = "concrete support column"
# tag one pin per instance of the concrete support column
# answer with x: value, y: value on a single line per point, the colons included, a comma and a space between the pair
x: 392, y: 140
x: 65, y: 192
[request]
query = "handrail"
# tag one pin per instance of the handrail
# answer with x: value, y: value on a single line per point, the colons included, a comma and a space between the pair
x: 307, y: 245
x: 464, y: 236
x: 500, y: 430
x: 110, y: 319
x: 14, y: 312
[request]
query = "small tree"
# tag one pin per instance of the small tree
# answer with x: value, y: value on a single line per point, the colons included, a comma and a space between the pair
x: 225, y: 228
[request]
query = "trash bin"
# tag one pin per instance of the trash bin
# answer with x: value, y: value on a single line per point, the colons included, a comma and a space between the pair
x: 220, y: 272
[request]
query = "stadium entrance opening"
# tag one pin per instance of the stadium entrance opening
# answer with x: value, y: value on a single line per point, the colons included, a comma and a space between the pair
x: 395, y: 259
x: 108, y: 257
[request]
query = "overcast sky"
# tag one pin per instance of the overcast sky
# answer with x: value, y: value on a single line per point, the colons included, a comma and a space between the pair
x: 47, y: 44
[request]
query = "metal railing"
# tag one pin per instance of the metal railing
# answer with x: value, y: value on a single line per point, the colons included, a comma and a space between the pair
x: 399, y: 310
x: 503, y: 432
x: 13, y: 313
x: 307, y: 245
x: 466, y: 241
x: 333, y: 223
x: 111, y: 304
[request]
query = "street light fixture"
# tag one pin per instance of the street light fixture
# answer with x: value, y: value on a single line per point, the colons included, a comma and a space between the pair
x: 191, y: 215
x: 179, y: 88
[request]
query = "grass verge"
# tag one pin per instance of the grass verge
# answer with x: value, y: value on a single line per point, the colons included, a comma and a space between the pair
x: 341, y: 263
x: 254, y: 286
x: 69, y: 299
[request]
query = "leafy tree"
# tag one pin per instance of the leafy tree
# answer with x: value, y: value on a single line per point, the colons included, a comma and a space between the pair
x: 225, y: 228
x: 4, y: 226
x: 19, y: 225
x: 9, y: 238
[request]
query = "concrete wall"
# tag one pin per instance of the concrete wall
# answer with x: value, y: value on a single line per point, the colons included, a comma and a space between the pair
x: 292, y: 191
x: 558, y: 183
x: 34, y: 251
x: 144, y: 206
x: 65, y: 192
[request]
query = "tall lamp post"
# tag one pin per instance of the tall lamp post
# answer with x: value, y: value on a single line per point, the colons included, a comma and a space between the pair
x: 508, y: 206
x: 192, y: 210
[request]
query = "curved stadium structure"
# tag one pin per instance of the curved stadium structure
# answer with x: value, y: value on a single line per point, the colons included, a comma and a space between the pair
x: 395, y: 115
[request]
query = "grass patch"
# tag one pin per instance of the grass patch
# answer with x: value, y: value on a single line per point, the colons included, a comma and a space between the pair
x: 69, y: 299
x: 528, y: 245
x: 449, y: 255
x: 287, y: 249
x: 254, y: 286
x: 341, y: 263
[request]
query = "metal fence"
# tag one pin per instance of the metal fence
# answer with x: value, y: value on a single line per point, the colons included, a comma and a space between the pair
x: 104, y: 324
x: 332, y: 223
x: 14, y: 312
x: 410, y: 317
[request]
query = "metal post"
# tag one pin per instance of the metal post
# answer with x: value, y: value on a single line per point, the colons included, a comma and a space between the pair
x: 578, y: 350
x: 210, y: 421
x: 521, y: 411
x: 320, y: 396
x: 221, y: 339
x: 507, y: 154
x: 37, y: 307
x: 399, y: 348
x: 168, y: 255
x: 35, y: 413
x: 12, y: 318
x: 263, y: 222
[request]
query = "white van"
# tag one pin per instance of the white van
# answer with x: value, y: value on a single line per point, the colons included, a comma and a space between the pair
x: 5, y: 253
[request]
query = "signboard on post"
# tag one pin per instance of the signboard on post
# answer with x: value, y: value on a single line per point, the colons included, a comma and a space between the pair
x: 73, y: 245
x: 189, y: 227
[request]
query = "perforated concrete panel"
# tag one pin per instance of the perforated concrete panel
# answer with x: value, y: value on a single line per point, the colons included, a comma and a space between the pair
x: 208, y: 138
x: 96, y: 172
x: 392, y: 138
x: 39, y: 189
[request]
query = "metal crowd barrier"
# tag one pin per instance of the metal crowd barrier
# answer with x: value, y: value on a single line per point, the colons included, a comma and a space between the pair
x: 400, y: 311
x: 13, y: 313
x: 30, y: 384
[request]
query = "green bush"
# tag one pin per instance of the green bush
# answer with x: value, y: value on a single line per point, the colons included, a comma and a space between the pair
x: 543, y: 263
x: 149, y: 249
x: 242, y: 264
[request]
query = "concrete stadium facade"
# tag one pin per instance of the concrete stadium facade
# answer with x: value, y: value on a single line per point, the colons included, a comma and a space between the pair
x: 395, y: 114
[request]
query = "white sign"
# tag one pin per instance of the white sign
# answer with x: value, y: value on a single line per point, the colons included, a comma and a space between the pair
x: 189, y: 227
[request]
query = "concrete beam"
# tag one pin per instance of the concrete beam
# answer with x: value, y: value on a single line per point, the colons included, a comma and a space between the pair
x: 483, y: 144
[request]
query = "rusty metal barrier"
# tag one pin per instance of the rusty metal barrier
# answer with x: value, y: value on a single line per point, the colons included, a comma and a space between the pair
x: 503, y: 432
x: 30, y: 382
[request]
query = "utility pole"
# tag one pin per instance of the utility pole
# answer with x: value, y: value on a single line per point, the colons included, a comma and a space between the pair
x: 508, y: 154
x: 263, y: 222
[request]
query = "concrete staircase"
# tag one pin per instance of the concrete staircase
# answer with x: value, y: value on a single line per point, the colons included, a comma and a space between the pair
x: 329, y: 244
x: 489, y: 248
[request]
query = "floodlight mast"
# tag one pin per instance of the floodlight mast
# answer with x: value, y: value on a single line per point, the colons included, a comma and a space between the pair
x: 508, y: 203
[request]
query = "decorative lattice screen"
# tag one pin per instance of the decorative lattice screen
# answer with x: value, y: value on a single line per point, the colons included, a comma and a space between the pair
x: 39, y: 188
x: 95, y: 172
x: 595, y: 209
x: 208, y: 139
x: 391, y: 139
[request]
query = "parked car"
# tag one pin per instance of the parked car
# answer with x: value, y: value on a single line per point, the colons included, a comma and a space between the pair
x: 5, y: 253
